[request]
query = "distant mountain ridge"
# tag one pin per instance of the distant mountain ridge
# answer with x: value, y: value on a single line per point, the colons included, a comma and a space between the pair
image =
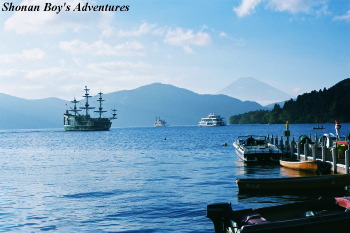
x: 254, y: 90
x: 18, y: 113
x: 178, y: 106
x: 137, y: 107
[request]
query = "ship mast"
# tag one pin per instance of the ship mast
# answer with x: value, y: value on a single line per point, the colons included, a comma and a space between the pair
x: 100, y: 108
x: 87, y: 96
x: 75, y: 109
x: 114, y: 114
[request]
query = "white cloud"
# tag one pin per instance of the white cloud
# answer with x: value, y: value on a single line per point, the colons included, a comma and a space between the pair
x: 8, y: 73
x: 143, y: 29
x: 246, y: 7
x: 293, y: 6
x: 101, y: 48
x: 178, y: 37
x: 119, y: 67
x: 345, y: 17
x: 48, y: 22
x: 223, y: 34
x: 186, y: 38
x: 296, y: 6
x: 26, y: 55
x: 107, y: 29
x: 127, y: 74
x: 42, y: 73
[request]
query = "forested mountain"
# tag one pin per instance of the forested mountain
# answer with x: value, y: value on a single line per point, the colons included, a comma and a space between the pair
x: 320, y: 106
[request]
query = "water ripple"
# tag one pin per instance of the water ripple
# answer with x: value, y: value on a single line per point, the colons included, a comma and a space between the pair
x: 128, y: 179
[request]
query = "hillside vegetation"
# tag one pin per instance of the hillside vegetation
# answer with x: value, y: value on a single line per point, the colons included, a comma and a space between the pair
x: 320, y: 106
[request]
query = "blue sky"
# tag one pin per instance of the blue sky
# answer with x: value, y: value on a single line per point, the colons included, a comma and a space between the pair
x: 202, y: 45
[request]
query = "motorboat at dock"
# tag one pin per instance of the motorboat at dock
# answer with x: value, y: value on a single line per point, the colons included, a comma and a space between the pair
x: 254, y: 148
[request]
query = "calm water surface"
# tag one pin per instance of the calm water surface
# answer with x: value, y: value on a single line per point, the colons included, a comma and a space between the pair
x: 128, y: 179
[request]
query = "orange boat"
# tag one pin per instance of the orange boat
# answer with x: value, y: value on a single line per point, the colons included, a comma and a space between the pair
x: 311, y: 166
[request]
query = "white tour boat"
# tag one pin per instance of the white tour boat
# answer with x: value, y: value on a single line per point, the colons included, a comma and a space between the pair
x: 212, y: 120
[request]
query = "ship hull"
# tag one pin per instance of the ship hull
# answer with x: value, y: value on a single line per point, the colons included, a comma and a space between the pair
x: 83, y: 123
x: 84, y: 128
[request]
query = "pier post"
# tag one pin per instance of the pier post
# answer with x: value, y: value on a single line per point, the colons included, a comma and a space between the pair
x: 324, y: 153
x: 287, y: 135
x: 286, y: 144
x: 298, y: 150
x: 316, y: 140
x: 334, y: 155
x: 313, y: 149
x: 347, y: 161
x: 306, y: 145
x: 281, y: 143
x: 292, y: 144
x: 292, y: 147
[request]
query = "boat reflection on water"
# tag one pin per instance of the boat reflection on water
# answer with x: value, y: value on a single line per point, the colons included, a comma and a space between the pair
x: 287, y: 172
x: 266, y: 171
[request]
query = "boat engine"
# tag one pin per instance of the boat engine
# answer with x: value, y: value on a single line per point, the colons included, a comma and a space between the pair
x: 220, y: 214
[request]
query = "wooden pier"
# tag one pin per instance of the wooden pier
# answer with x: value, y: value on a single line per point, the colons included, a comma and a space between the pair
x: 337, y: 156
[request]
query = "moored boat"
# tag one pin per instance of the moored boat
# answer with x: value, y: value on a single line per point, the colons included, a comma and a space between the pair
x: 315, y: 166
x: 254, y: 148
x: 310, y: 166
x: 309, y: 184
x: 315, y: 216
x: 212, y: 120
x: 84, y: 122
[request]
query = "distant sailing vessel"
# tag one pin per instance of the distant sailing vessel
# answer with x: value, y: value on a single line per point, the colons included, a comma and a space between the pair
x: 159, y: 122
x: 212, y: 120
x: 84, y: 122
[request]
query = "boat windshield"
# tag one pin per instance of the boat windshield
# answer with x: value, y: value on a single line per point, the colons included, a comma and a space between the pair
x: 253, y: 140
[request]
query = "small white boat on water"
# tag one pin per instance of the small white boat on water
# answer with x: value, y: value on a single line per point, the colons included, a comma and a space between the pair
x: 159, y: 122
x: 212, y: 120
x: 254, y: 148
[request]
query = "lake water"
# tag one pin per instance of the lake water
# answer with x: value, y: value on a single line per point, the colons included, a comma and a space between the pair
x: 128, y: 179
